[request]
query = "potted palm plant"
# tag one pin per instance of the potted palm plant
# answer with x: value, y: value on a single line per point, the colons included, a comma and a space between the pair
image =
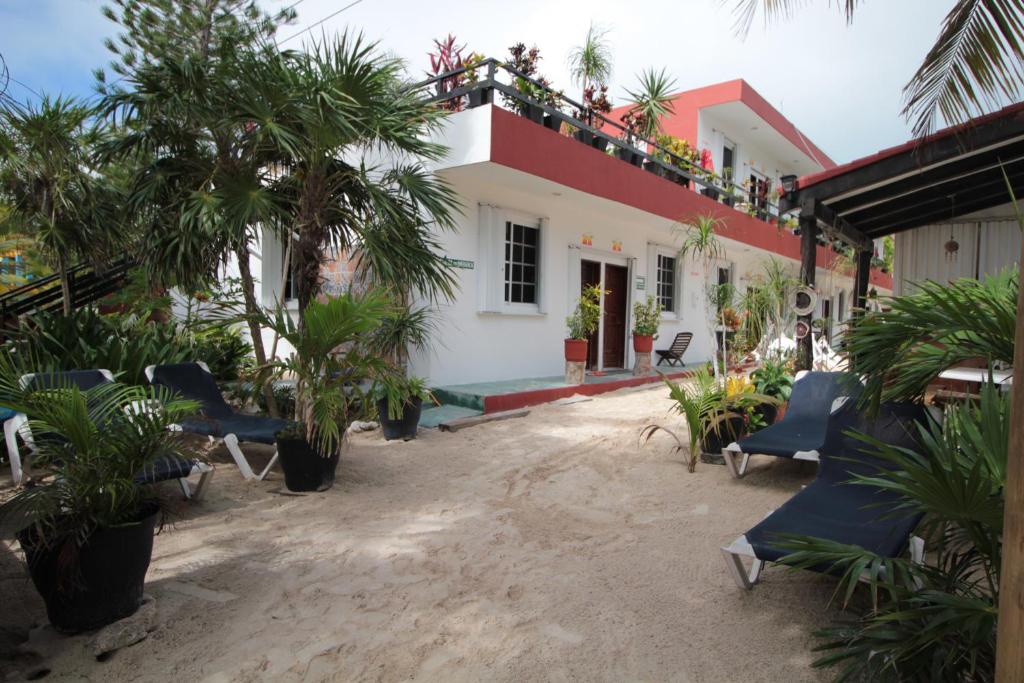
x: 329, y: 366
x: 646, y: 318
x: 87, y: 529
x: 582, y: 323
x: 399, y: 404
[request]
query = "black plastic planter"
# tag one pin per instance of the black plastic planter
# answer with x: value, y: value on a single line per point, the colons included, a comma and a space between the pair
x: 655, y: 168
x: 480, y: 96
x: 600, y: 144
x: 534, y: 113
x: 728, y: 431
x: 626, y: 154
x: 304, y: 468
x: 88, y: 587
x: 584, y: 136
x: 553, y: 122
x: 710, y: 193
x: 405, y: 426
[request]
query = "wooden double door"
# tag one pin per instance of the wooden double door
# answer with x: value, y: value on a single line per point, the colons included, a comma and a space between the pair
x: 608, y: 343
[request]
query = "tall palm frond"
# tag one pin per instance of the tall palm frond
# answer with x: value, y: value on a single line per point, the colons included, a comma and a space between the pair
x: 976, y: 64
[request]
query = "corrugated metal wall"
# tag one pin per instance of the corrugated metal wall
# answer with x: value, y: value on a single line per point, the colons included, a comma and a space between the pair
x: 985, y: 247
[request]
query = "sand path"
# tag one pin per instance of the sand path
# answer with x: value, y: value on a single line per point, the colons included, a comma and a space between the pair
x: 545, y: 548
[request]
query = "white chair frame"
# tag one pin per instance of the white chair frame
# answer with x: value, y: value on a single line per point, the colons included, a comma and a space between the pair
x: 18, y: 425
x: 230, y: 440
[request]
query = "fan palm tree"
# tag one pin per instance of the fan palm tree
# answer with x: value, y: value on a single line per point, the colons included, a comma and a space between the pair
x: 976, y: 62
x: 590, y: 64
x: 349, y: 141
x: 200, y: 190
x: 53, y: 190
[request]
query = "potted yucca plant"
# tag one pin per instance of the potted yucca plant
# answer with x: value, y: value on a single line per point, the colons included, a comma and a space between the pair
x: 330, y: 367
x: 646, y: 318
x: 582, y: 323
x: 87, y: 528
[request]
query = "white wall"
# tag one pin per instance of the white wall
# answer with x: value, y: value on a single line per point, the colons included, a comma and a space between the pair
x: 479, y: 339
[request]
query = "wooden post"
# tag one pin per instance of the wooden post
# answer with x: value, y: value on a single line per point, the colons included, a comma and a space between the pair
x: 1009, y: 653
x: 808, y: 265
x: 860, y: 293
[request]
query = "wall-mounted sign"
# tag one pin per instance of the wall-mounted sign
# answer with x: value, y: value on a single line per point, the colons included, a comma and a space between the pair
x: 641, y: 282
x: 458, y: 263
x: 616, y: 245
x: 587, y: 240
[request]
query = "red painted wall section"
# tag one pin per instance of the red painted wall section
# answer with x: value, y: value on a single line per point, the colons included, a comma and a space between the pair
x: 525, y: 146
x: 687, y: 105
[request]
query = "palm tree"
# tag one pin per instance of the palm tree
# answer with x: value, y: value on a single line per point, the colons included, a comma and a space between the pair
x: 590, y: 64
x: 54, y: 191
x: 975, y: 64
x: 699, y: 241
x: 200, y: 188
x: 349, y: 141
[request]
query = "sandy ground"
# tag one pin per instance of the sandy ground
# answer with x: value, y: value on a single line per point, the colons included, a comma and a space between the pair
x: 545, y: 548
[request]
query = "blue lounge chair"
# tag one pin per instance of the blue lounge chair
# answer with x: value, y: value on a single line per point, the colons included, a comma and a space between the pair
x: 217, y: 420
x: 167, y: 468
x: 800, y: 434
x: 834, y: 509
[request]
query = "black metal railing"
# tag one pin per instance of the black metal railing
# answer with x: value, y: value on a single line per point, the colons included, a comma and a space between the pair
x: 475, y: 85
x: 87, y: 284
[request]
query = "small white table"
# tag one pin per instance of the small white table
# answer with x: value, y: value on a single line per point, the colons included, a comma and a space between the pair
x: 979, y: 375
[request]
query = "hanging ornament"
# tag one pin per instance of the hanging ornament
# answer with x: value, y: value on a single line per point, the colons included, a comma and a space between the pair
x: 952, y: 247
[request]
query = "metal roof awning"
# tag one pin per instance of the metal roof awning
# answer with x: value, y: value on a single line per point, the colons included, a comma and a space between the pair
x: 956, y: 171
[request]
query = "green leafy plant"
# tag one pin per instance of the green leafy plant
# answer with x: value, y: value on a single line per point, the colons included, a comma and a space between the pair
x: 647, y: 317
x: 773, y: 379
x: 398, y: 390
x: 590, y: 64
x: 328, y: 363
x: 587, y: 316
x: 707, y: 407
x: 93, y: 449
x: 652, y: 100
x: 931, y: 329
x: 404, y: 328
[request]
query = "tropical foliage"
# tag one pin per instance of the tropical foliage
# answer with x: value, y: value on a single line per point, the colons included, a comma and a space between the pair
x: 587, y: 315
x: 652, y: 99
x: 931, y: 329
x: 590, y: 64
x: 934, y: 621
x: 53, y: 191
x: 647, y: 316
x: 329, y: 363
x: 93, y: 448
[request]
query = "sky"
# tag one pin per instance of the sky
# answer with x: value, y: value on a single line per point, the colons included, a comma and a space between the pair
x: 840, y: 84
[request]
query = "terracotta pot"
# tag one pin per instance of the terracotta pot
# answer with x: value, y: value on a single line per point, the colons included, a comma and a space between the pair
x: 643, y: 343
x: 576, y: 350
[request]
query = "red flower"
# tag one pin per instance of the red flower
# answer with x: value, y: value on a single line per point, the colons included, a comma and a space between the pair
x: 705, y: 160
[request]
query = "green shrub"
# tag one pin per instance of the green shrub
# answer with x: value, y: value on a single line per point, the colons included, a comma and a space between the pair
x: 124, y: 345
x: 647, y: 317
x: 773, y: 379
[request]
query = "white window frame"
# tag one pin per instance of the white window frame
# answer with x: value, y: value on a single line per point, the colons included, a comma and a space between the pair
x: 491, y: 257
x: 271, y: 267
x: 653, y: 252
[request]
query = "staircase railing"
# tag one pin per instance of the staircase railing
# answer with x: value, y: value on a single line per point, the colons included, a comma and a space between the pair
x: 88, y: 284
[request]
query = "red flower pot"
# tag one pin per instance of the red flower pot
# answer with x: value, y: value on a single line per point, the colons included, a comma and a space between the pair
x: 576, y: 350
x: 643, y: 343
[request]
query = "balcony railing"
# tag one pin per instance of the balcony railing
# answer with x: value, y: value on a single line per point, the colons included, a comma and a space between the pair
x: 475, y: 85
